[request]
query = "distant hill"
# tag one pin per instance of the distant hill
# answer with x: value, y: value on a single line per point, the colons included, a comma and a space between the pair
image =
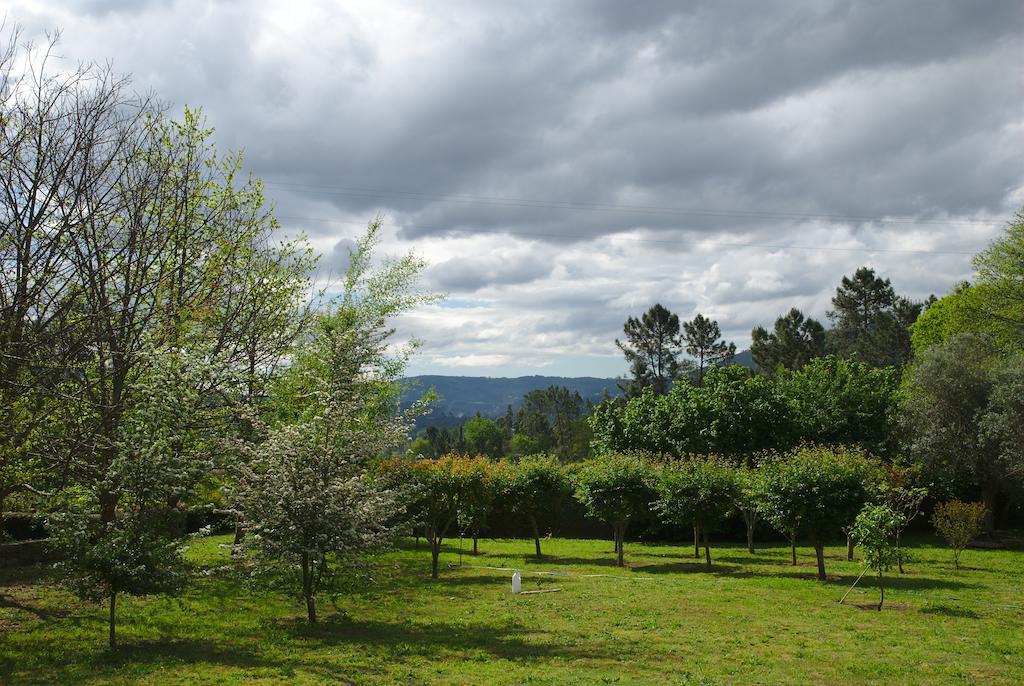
x: 463, y: 396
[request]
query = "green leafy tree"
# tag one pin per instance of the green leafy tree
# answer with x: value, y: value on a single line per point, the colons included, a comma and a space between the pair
x: 746, y: 499
x: 816, y: 491
x: 959, y: 523
x: 437, y: 491
x: 484, y: 481
x: 703, y: 345
x: 699, y: 493
x: 901, y: 493
x: 875, y: 531
x: 537, y: 487
x: 305, y: 492
x: 793, y: 342
x: 1000, y: 270
x: 137, y: 552
x: 844, y: 402
x: 871, y: 321
x: 963, y: 409
x: 616, y: 489
x: 483, y: 437
x: 652, y: 349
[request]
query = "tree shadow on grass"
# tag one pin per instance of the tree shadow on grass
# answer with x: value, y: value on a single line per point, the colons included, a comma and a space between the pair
x: 424, y: 639
x: 950, y: 611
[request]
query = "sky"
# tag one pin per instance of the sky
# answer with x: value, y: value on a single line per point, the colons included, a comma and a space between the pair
x: 562, y: 166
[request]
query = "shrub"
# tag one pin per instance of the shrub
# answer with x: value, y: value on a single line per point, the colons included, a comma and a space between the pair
x: 875, y: 530
x: 958, y: 522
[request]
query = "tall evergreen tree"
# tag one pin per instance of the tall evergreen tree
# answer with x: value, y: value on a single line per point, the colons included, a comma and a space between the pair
x: 871, y: 321
x: 652, y: 348
x: 702, y: 343
x: 794, y: 341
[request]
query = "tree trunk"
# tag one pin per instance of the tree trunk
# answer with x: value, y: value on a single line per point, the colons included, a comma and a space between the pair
x: 819, y: 552
x: 751, y: 521
x: 696, y: 542
x: 849, y: 547
x: 536, y: 535
x: 792, y: 548
x: 620, y: 535
x: 475, y: 549
x: 307, y: 588
x: 113, y: 632
x: 899, y: 551
x: 707, y: 550
x: 881, y: 590
x: 435, y: 553
x: 989, y: 495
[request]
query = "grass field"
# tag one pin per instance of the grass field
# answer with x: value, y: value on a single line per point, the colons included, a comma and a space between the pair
x: 664, y: 619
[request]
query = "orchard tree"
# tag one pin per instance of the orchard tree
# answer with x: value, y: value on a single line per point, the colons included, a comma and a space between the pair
x: 537, y: 487
x: 652, y: 349
x: 816, y: 491
x: 959, y: 523
x: 746, y: 499
x: 794, y: 341
x: 875, y: 530
x: 616, y: 489
x: 437, y: 492
x: 485, y: 480
x: 703, y: 345
x: 903, y: 497
x: 699, y: 493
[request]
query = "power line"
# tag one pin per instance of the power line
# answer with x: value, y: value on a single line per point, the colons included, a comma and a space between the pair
x: 662, y: 241
x: 620, y: 208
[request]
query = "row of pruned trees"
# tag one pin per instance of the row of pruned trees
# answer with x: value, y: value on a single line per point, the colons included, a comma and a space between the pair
x: 812, y: 493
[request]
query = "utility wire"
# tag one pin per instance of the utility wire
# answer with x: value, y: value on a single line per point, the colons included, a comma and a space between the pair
x: 604, y: 207
x: 662, y: 241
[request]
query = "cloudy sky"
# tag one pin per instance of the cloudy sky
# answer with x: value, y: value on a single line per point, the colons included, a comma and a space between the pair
x: 563, y: 165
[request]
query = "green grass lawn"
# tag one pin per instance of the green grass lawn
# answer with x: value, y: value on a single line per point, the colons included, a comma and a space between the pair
x: 664, y: 619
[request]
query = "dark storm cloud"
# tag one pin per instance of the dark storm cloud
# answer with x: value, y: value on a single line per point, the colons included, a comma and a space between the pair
x: 552, y: 144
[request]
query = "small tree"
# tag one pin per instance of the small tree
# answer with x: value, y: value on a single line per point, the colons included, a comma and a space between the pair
x: 746, y: 499
x: 617, y: 489
x: 698, y: 492
x: 904, y: 499
x: 438, y: 490
x: 875, y: 530
x: 958, y: 522
x: 483, y: 481
x: 135, y: 551
x: 537, y: 487
x: 308, y: 505
x: 822, y: 489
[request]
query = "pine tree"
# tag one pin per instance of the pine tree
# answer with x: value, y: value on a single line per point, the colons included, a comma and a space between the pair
x: 702, y: 343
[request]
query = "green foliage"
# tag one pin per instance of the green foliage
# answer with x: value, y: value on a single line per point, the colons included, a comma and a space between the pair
x: 963, y: 408
x: 959, y: 523
x: 957, y: 313
x: 554, y: 418
x: 483, y: 437
x: 735, y: 413
x: 794, y: 341
x: 305, y: 492
x: 844, y: 402
x: 537, y: 488
x: 699, y: 493
x: 616, y: 489
x: 875, y: 531
x: 1001, y: 277
x: 815, y: 491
